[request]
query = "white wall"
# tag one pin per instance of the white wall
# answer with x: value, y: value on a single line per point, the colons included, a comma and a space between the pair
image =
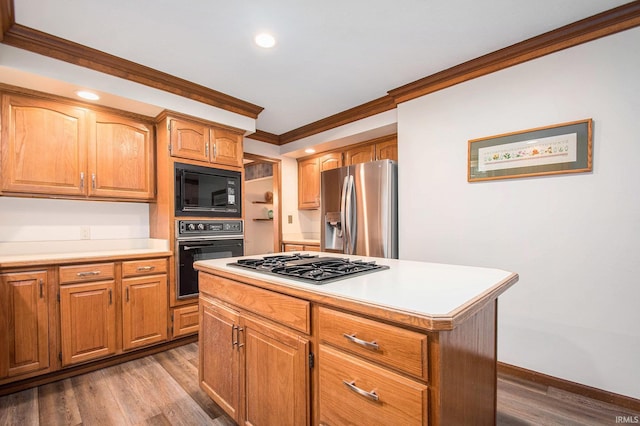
x: 574, y: 239
x: 34, y: 219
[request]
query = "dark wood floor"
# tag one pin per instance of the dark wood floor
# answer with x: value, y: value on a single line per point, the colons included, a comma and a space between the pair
x: 162, y: 389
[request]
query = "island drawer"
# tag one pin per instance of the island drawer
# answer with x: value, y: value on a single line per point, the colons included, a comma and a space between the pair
x: 354, y: 391
x: 144, y: 267
x: 386, y: 344
x: 287, y: 310
x: 85, y: 273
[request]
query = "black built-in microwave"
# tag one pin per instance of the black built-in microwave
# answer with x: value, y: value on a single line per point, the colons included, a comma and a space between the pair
x: 207, y: 191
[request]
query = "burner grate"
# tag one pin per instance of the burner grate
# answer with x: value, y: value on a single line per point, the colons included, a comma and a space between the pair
x: 309, y: 268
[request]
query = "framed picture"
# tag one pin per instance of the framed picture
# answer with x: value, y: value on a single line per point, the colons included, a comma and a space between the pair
x: 561, y: 148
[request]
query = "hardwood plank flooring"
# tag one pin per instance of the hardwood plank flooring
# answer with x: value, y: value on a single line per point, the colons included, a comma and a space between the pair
x: 162, y: 389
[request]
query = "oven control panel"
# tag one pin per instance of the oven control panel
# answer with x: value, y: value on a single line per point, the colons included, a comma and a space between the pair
x: 186, y: 228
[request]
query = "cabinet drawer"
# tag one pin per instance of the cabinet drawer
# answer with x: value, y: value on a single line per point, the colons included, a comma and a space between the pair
x: 400, y: 401
x: 144, y: 267
x: 84, y: 273
x: 185, y: 320
x: 286, y: 310
x: 389, y: 345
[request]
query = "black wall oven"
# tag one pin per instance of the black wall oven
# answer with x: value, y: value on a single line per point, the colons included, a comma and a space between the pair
x: 207, y: 191
x: 202, y: 240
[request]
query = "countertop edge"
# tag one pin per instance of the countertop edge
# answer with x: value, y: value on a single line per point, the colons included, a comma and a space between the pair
x: 419, y: 320
x: 48, y: 260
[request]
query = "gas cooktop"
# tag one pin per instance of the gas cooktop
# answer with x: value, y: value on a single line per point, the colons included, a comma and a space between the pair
x: 309, y: 268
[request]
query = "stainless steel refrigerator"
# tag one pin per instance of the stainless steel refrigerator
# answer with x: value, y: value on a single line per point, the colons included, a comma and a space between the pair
x: 359, y: 206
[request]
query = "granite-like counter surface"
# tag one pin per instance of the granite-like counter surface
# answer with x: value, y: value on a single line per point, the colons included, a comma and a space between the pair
x: 32, y: 253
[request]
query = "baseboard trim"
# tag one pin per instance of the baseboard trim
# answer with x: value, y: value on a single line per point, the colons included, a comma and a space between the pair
x: 508, y: 370
x: 96, y: 365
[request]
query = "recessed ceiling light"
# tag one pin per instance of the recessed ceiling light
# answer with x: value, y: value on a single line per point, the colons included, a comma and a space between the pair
x: 84, y: 94
x: 309, y: 150
x: 265, y: 40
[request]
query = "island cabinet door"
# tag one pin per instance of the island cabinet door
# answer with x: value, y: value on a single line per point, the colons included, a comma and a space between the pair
x: 276, y: 375
x: 220, y: 355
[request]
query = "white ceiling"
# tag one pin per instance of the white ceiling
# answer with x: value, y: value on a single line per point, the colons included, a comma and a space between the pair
x: 330, y: 56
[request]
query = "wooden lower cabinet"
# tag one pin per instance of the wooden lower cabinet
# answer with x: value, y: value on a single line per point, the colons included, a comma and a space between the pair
x: 367, y: 370
x: 24, y: 323
x: 132, y: 303
x: 144, y: 311
x: 255, y: 370
x: 87, y: 321
x: 354, y: 391
x: 184, y: 320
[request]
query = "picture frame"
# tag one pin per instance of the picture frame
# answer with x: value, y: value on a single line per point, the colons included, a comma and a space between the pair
x: 556, y: 149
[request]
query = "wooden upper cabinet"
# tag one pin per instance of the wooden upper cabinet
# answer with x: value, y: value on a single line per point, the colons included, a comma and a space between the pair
x: 309, y: 184
x: 189, y: 140
x: 121, y: 162
x: 227, y: 147
x: 329, y: 161
x: 51, y: 147
x: 359, y: 154
x: 198, y: 141
x: 43, y: 146
x: 24, y: 323
x: 387, y: 150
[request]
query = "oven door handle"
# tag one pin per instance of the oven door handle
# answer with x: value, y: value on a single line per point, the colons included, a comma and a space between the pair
x: 195, y: 247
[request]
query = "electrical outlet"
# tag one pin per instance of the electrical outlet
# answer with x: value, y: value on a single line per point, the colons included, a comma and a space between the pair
x: 290, y: 219
x: 85, y: 233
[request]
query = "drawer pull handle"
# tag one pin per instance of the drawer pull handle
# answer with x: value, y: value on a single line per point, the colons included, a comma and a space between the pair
x: 369, y: 345
x: 88, y: 274
x: 146, y: 268
x: 371, y: 395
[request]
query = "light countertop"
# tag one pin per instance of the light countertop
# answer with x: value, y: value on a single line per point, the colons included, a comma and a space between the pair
x: 13, y: 254
x: 428, y: 290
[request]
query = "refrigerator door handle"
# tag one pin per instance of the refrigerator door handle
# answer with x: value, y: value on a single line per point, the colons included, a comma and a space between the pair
x: 352, y: 215
x: 343, y: 211
x: 350, y: 207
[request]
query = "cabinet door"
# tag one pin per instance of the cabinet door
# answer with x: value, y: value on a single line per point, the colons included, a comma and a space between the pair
x: 43, y: 147
x: 219, y: 356
x: 227, y: 147
x: 276, y: 375
x: 387, y: 150
x: 308, y: 184
x: 333, y: 160
x: 189, y: 140
x: 144, y: 311
x: 87, y: 321
x: 24, y: 327
x: 121, y: 158
x: 360, y: 154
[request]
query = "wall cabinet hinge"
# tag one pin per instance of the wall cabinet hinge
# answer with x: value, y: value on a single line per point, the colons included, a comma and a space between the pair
x: 58, y: 297
x: 169, y: 148
x: 311, y: 360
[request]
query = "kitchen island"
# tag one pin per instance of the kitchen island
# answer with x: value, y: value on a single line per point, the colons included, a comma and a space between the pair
x: 411, y: 344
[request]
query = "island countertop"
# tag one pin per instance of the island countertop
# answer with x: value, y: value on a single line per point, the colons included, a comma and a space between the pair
x: 432, y: 296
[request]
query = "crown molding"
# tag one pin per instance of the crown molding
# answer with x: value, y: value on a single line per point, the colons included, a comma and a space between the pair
x: 368, y: 109
x: 603, y: 24
x: 7, y: 16
x: 262, y: 136
x: 26, y: 38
